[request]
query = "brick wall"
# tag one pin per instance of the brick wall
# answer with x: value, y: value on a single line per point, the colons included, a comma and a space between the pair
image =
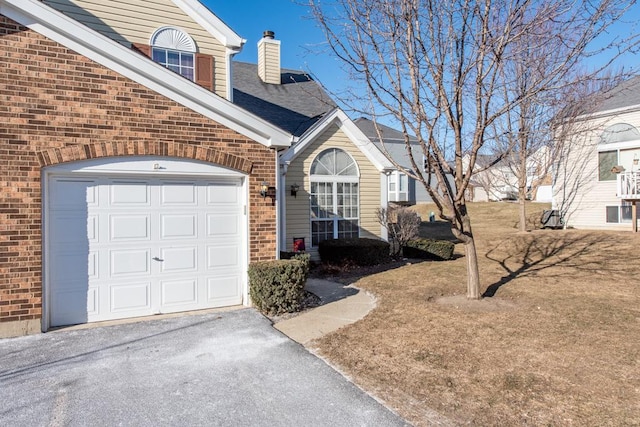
x: 59, y: 106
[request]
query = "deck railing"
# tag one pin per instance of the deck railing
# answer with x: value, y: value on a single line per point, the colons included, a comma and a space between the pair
x: 628, y: 187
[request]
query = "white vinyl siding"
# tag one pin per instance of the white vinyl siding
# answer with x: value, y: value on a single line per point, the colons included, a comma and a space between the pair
x: 579, y: 193
x: 134, y: 21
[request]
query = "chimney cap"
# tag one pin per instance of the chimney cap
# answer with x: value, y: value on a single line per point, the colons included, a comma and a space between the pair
x: 268, y: 34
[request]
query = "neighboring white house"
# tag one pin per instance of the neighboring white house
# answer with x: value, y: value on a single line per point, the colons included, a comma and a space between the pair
x: 499, y: 181
x: 597, y: 175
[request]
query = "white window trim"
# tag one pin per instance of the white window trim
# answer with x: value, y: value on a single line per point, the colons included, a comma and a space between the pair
x: 395, y: 195
x: 334, y: 180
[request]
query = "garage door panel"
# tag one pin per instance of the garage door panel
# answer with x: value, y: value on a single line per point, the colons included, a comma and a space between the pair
x: 223, y: 193
x: 179, y: 259
x: 129, y: 227
x: 130, y: 262
x: 73, y: 194
x: 224, y: 288
x: 222, y: 256
x: 181, y: 226
x: 178, y: 194
x: 74, y: 229
x: 131, y: 297
x: 127, y: 193
x: 179, y: 292
x: 222, y: 225
x: 73, y: 305
x: 74, y: 265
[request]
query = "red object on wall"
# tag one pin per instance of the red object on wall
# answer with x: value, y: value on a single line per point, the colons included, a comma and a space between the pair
x: 298, y: 244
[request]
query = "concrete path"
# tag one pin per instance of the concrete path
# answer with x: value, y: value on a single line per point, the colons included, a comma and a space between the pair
x: 342, y: 305
x: 218, y: 369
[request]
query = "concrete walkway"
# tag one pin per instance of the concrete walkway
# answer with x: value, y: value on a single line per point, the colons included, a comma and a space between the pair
x: 341, y: 306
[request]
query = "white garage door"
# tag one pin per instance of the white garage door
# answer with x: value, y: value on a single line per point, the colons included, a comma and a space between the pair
x: 121, y: 247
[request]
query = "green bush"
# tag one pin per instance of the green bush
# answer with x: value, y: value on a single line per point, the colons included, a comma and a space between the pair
x: 360, y: 251
x: 428, y: 249
x: 302, y: 256
x: 277, y: 287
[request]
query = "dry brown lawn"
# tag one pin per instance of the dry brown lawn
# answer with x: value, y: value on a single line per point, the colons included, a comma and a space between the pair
x: 558, y: 343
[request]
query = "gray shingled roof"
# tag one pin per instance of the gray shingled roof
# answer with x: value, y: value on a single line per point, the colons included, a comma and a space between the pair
x: 626, y: 94
x: 294, y: 105
x: 394, y: 144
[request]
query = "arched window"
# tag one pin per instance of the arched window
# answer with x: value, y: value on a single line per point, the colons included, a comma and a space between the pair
x: 335, y: 200
x: 174, y: 49
x: 613, y: 151
x: 620, y: 132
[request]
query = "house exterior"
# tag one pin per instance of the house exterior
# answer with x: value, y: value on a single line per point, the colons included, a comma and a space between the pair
x: 596, y: 183
x: 128, y: 189
x: 401, y: 188
x: 341, y: 181
x: 496, y: 181
x: 143, y: 169
x: 332, y: 179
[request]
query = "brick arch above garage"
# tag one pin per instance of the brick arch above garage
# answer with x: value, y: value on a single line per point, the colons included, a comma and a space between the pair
x: 54, y: 156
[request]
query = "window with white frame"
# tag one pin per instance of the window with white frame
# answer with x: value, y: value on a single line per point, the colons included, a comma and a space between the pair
x: 619, y: 214
x: 174, y: 49
x: 335, y: 200
x: 398, y: 184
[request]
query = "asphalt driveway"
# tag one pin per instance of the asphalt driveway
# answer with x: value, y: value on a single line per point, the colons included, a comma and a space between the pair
x: 228, y: 368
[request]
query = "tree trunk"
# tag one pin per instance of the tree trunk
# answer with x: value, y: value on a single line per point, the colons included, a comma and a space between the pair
x: 473, y: 274
x: 523, y: 212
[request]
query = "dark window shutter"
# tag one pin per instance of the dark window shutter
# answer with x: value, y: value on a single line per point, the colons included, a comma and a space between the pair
x: 144, y: 49
x: 204, y: 70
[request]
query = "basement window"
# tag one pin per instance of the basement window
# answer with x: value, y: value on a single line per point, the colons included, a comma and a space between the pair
x: 618, y: 214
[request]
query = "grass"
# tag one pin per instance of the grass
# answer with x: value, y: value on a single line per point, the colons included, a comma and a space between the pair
x: 558, y: 343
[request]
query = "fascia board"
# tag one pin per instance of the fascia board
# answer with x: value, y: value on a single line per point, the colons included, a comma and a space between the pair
x: 606, y: 113
x: 355, y: 135
x: 101, y: 49
x: 211, y: 23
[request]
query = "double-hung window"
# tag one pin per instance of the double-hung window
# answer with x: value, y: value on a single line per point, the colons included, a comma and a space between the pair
x: 335, y: 203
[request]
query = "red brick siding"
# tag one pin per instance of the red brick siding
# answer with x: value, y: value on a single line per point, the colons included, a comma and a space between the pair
x: 59, y: 106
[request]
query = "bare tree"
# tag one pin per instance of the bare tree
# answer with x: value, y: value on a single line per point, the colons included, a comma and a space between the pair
x: 401, y: 223
x: 526, y: 142
x: 436, y: 68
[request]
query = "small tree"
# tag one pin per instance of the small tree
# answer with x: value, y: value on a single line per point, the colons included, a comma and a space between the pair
x: 402, y: 225
x: 439, y: 70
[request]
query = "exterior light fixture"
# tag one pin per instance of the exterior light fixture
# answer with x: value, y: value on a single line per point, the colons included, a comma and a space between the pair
x: 264, y: 189
x: 294, y: 189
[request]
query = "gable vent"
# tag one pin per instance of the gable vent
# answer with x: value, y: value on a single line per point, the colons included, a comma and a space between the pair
x: 173, y: 38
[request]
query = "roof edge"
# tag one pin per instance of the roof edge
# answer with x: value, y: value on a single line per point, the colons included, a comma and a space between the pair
x: 355, y: 135
x: 70, y: 33
x: 210, y: 22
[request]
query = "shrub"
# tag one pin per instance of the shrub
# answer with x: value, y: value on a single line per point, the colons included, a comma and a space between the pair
x: 359, y: 251
x: 429, y: 249
x: 277, y: 287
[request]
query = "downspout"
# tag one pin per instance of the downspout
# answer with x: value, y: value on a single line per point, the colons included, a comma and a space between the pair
x: 279, y: 202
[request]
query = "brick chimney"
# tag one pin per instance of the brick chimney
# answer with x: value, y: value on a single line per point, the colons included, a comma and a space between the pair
x: 269, y: 58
